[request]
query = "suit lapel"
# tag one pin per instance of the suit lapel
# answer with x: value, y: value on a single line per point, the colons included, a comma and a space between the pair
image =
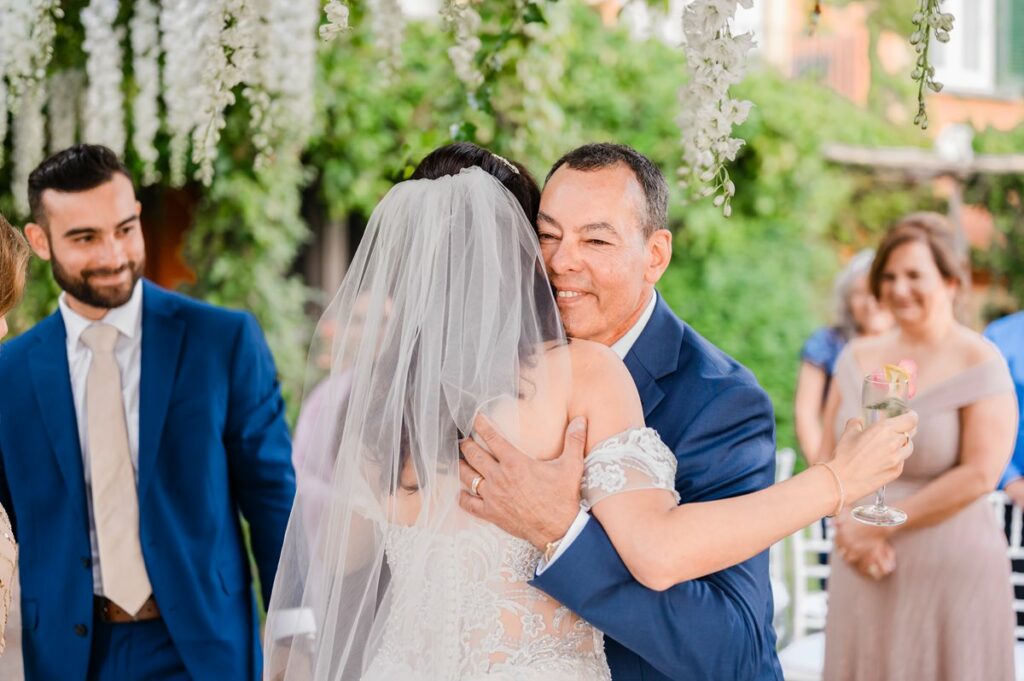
x: 51, y: 380
x: 162, y: 334
x: 655, y: 355
x: 650, y: 394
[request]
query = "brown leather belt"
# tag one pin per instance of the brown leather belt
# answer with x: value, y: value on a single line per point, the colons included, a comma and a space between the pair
x: 111, y: 612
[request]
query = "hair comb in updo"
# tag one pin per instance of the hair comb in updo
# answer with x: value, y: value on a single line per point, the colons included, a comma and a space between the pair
x: 508, y: 163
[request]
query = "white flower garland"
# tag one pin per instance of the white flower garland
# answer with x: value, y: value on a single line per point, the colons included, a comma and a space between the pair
x: 104, y: 100
x: 927, y: 20
x: 715, y: 60
x: 181, y: 39
x: 145, y: 37
x: 227, y: 57
x: 387, y: 23
x: 337, y: 20
x: 64, y: 104
x: 280, y: 91
x: 29, y: 143
x: 464, y: 21
x: 3, y: 116
x: 27, y: 30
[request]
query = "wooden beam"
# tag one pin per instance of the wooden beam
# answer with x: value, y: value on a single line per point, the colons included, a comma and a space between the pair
x: 919, y: 161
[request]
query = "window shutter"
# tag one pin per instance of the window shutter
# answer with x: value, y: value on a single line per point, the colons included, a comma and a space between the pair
x: 1011, y: 48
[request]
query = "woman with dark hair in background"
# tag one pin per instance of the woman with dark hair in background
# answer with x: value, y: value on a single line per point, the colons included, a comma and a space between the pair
x: 14, y: 254
x: 928, y: 600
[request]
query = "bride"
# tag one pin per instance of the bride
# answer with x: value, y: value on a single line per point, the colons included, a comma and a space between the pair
x: 446, y: 313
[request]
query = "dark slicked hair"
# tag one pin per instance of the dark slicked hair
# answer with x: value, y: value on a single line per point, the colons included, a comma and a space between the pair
x: 453, y: 158
x: 605, y: 155
x: 75, y: 169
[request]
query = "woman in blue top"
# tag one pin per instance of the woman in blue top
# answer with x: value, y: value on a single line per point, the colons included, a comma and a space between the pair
x: 857, y: 314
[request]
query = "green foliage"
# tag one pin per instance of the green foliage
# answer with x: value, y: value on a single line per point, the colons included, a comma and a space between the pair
x: 1004, y: 197
x: 752, y: 284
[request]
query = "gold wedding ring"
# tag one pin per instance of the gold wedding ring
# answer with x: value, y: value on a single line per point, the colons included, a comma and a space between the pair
x: 475, y: 485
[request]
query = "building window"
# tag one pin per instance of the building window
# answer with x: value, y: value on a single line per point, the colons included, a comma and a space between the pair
x: 967, y: 63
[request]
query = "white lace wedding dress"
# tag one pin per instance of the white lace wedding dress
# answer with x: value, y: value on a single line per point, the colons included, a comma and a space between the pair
x: 502, y: 629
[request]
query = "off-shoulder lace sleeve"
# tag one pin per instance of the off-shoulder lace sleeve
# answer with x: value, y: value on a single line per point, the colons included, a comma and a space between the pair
x: 8, y: 563
x: 634, y: 459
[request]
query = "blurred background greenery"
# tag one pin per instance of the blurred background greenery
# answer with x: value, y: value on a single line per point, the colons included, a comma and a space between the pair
x: 756, y: 284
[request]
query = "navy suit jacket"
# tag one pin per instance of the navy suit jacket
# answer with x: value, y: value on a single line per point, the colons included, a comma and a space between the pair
x: 719, y: 422
x: 212, y: 442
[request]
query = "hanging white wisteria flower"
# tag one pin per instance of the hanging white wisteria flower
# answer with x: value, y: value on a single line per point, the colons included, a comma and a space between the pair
x: 715, y: 60
x: 104, y: 101
x: 337, y: 20
x: 145, y: 38
x: 27, y: 30
x: 280, y: 91
x: 387, y: 23
x: 29, y: 143
x: 464, y: 21
x: 64, y: 102
x: 227, y: 58
x: 927, y: 20
x: 182, y: 37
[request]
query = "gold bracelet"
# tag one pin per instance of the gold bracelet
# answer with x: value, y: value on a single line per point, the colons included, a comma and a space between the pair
x: 839, y: 483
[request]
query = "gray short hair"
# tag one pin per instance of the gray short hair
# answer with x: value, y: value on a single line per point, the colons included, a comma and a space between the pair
x: 648, y: 175
x: 859, y: 266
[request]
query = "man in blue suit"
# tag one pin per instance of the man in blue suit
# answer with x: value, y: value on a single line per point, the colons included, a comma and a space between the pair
x: 602, y: 232
x: 1008, y: 335
x: 135, y: 425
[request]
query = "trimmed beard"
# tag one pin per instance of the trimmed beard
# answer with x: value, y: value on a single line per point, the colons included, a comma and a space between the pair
x: 103, y: 298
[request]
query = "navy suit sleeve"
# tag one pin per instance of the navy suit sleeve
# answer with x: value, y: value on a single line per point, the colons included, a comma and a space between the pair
x: 716, y: 627
x: 259, y: 449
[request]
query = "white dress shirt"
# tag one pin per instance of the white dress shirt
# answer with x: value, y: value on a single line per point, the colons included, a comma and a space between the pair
x: 621, y: 348
x: 127, y: 319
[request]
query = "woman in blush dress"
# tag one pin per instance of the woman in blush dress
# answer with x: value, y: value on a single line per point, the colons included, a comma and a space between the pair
x: 13, y: 260
x: 929, y: 600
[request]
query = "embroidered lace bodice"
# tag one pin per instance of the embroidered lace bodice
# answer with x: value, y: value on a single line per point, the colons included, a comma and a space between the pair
x: 461, y: 601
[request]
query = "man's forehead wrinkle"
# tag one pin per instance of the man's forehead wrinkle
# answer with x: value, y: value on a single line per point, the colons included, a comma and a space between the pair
x: 598, y: 227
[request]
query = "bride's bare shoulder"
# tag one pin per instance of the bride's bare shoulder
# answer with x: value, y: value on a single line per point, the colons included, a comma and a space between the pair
x: 594, y: 368
x: 586, y: 358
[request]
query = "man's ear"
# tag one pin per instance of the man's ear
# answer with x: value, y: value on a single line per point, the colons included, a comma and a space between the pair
x: 659, y: 248
x: 38, y: 240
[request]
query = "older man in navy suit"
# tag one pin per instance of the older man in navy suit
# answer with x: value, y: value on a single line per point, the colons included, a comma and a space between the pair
x: 602, y: 232
x: 136, y: 428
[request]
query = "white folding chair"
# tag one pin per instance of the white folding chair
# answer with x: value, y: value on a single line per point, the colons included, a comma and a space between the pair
x: 804, y: 658
x: 1013, y: 524
x: 784, y: 461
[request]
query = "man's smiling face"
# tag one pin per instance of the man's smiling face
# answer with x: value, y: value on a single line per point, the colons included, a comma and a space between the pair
x: 602, y: 265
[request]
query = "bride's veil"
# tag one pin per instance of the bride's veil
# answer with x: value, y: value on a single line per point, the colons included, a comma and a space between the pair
x: 445, y: 311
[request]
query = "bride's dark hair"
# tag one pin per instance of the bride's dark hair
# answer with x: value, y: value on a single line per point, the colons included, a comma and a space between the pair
x: 453, y: 158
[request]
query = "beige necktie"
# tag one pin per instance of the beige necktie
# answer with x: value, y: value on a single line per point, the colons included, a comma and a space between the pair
x: 115, y: 500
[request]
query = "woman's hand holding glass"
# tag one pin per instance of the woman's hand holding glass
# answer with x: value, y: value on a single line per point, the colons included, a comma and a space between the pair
x: 866, y: 459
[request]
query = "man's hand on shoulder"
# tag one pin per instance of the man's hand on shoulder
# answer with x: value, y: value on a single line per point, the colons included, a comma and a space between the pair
x: 531, y: 499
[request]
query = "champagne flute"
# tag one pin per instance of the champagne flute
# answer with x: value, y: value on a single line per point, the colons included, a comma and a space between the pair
x: 882, y: 397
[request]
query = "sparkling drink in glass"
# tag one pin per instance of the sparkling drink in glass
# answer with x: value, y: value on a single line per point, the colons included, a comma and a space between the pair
x: 882, y: 397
